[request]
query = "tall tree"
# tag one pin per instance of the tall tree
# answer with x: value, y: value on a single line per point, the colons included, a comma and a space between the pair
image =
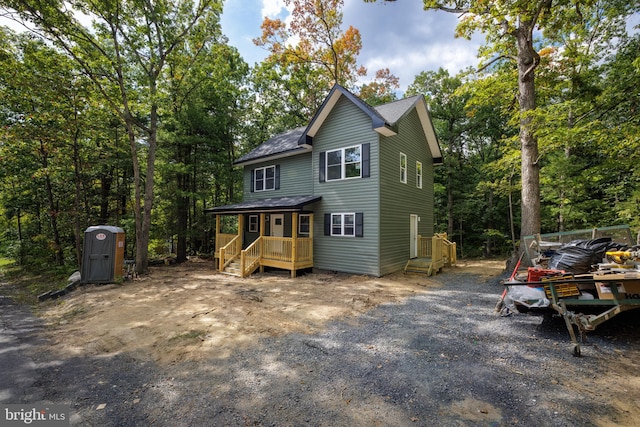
x: 124, y: 55
x: 511, y: 28
x: 206, y: 103
x: 306, y: 57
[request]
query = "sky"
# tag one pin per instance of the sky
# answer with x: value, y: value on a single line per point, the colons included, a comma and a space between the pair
x: 397, y: 35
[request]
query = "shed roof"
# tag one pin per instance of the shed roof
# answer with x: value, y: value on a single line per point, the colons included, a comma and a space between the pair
x: 273, y: 204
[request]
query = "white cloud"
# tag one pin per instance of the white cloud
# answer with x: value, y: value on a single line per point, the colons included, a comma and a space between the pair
x: 406, y: 39
x: 400, y: 36
x: 272, y: 8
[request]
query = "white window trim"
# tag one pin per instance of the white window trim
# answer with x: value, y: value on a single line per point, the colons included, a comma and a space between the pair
x: 419, y: 174
x: 253, y: 226
x: 343, y: 164
x: 264, y: 178
x: 403, y: 169
x: 300, y: 232
x: 342, y: 216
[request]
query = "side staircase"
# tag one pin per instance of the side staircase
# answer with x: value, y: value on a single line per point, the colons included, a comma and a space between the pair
x: 234, y: 268
x: 433, y: 254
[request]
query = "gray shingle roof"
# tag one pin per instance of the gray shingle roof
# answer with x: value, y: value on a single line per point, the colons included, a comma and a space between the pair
x: 289, y: 142
x: 279, y: 144
x: 393, y: 111
x: 291, y: 203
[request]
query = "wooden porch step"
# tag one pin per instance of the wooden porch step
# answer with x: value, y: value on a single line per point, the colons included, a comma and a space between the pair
x: 420, y: 265
x: 233, y: 269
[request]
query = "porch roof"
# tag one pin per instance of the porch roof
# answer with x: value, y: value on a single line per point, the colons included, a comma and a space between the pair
x: 274, y: 204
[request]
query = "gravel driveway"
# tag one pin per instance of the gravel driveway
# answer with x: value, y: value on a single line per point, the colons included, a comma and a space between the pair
x: 443, y: 358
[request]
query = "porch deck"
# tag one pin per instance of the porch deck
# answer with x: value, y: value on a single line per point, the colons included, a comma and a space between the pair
x: 434, y: 253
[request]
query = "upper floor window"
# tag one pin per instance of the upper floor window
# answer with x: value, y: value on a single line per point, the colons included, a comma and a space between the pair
x: 349, y: 162
x: 403, y: 168
x: 419, y: 174
x: 264, y: 178
x: 344, y: 163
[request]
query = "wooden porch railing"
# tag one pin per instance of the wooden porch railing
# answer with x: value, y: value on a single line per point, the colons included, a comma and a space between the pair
x: 222, y: 240
x: 438, y: 248
x: 280, y: 252
x: 286, y: 252
x: 250, y: 258
x: 230, y: 251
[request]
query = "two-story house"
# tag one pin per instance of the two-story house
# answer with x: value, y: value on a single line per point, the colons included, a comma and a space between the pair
x: 350, y: 192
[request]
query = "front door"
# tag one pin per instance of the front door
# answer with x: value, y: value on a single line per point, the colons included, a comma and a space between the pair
x: 413, y: 233
x: 277, y: 225
x: 277, y: 230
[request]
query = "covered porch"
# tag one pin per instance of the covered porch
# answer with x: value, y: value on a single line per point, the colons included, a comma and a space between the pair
x: 275, y: 232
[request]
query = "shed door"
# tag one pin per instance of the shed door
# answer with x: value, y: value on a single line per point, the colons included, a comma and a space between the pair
x: 413, y: 233
x: 100, y: 249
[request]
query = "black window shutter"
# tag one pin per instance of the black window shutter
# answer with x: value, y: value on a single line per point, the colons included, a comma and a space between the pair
x: 366, y: 160
x: 321, y: 166
x: 277, y: 177
x: 327, y: 224
x: 253, y: 179
x: 359, y: 225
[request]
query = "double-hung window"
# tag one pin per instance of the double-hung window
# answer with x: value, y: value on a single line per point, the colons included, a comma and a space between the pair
x: 403, y: 168
x: 264, y: 178
x: 343, y: 224
x: 344, y: 163
x: 304, y: 224
x: 419, y: 174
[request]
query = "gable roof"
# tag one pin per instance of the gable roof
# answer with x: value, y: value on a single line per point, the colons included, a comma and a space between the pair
x: 384, y: 119
x: 378, y: 123
x: 394, y: 111
x: 282, y: 145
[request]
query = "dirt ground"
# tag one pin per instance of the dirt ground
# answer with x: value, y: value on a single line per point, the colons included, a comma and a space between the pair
x: 180, y: 318
x: 190, y: 311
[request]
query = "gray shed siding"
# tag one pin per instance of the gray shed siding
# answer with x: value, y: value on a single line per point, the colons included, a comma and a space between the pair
x: 295, y: 178
x: 347, y: 126
x: 399, y: 200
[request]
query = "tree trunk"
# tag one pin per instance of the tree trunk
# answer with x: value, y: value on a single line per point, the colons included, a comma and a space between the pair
x: 53, y: 210
x: 77, y: 198
x: 450, y: 205
x: 527, y: 62
x: 183, y: 215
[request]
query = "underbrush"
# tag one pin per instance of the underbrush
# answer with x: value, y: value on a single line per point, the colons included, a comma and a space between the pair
x: 24, y: 283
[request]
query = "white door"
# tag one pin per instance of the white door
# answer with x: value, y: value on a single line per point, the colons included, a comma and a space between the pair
x: 277, y: 230
x: 413, y: 232
x: 277, y: 225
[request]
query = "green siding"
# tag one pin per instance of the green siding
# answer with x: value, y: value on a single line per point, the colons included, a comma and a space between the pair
x: 385, y: 202
x: 295, y: 178
x: 347, y: 126
x: 398, y: 200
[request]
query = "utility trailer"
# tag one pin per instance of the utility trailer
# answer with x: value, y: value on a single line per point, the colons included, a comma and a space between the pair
x: 566, y: 301
x: 615, y: 288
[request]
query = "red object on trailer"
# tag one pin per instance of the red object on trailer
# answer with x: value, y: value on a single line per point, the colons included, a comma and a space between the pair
x: 535, y: 274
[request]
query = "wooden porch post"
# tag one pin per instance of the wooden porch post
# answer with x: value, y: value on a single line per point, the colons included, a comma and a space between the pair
x: 217, y: 248
x: 311, y: 237
x: 262, y: 227
x: 294, y: 243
